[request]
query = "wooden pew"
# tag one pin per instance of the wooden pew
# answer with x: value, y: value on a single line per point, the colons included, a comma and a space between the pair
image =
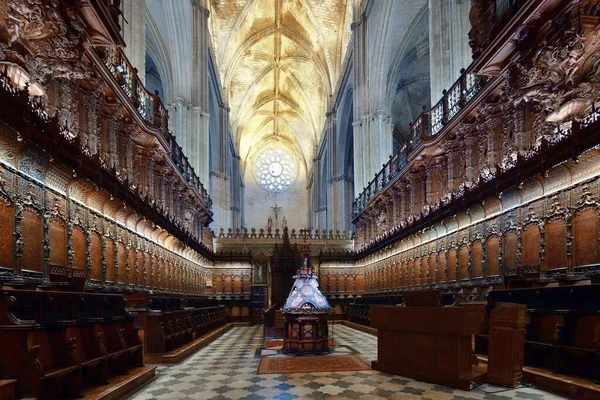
x: 90, y: 354
x: 115, y: 348
x: 541, y: 337
x: 169, y: 329
x: 51, y: 365
x: 578, y: 348
x: 57, y: 344
x: 563, y: 334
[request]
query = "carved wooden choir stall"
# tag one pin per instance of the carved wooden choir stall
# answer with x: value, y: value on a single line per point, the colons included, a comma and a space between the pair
x: 56, y: 344
x: 563, y: 329
x: 172, y: 327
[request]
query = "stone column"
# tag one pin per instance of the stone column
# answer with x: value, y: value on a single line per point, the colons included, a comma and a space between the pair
x: 337, y: 187
x: 360, y: 93
x: 220, y: 178
x: 134, y: 34
x: 199, y: 138
x: 236, y: 194
x: 449, y: 49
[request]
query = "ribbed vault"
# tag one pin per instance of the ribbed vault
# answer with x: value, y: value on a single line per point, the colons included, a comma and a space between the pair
x: 279, y: 61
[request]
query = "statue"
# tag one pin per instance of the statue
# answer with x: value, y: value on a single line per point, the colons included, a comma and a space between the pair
x: 270, y: 223
x: 284, y: 222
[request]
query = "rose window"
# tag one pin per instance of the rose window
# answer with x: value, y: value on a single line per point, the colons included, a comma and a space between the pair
x: 275, y: 170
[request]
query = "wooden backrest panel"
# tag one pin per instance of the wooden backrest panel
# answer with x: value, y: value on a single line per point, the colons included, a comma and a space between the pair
x: 585, y: 237
x: 477, y: 259
x: 78, y: 245
x: 463, y: 262
x: 530, y: 252
x: 441, y: 266
x: 6, y: 235
x: 452, y: 264
x: 121, y: 263
x: 587, y: 333
x: 58, y: 245
x: 492, y: 252
x: 96, y: 256
x: 31, y: 226
x: 556, y: 244
x: 509, y: 254
x: 548, y: 326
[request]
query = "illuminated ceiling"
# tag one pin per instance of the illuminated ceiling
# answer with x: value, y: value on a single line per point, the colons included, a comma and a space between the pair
x: 279, y: 61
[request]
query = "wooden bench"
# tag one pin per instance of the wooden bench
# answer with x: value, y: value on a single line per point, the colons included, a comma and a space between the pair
x: 112, y: 338
x: 578, y: 348
x: 51, y: 365
x: 90, y: 354
x: 563, y: 333
x: 541, y: 337
x: 165, y: 331
x: 58, y: 344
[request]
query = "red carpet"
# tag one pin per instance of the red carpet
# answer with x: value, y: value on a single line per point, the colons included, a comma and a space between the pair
x: 306, y: 364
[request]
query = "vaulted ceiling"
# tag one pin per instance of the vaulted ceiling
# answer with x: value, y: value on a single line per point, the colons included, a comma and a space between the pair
x: 279, y: 61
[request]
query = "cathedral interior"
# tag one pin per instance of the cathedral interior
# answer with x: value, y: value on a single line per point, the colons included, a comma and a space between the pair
x: 421, y: 177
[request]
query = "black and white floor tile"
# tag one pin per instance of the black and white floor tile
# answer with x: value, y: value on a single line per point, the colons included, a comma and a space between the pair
x: 226, y: 369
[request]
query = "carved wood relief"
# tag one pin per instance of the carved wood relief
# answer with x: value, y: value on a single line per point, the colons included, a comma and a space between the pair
x: 6, y: 234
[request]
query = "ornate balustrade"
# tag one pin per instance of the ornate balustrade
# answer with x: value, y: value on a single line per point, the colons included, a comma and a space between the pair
x: 73, y: 95
x: 428, y: 125
x: 269, y: 233
x: 152, y: 111
x: 491, y: 133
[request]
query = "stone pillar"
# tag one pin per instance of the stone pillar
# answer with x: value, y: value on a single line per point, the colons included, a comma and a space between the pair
x: 134, y: 34
x: 220, y: 178
x: 449, y: 49
x: 236, y: 194
x: 360, y: 174
x: 199, y: 137
x: 360, y: 129
x: 337, y: 181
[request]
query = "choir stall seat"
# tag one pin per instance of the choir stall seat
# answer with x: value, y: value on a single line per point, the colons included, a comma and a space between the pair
x: 563, y: 334
x: 90, y: 354
x: 51, y: 365
x: 542, y: 336
x: 112, y: 338
x: 578, y: 347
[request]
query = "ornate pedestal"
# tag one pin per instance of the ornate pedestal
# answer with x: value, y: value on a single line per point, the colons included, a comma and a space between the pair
x: 305, y: 312
x: 305, y: 334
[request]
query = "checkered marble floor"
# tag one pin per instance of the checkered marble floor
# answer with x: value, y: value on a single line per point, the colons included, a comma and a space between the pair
x: 226, y: 369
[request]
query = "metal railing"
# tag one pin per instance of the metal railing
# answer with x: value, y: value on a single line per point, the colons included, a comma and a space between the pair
x: 151, y: 109
x: 427, y: 125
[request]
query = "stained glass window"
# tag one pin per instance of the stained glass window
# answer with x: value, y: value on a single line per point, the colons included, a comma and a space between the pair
x: 275, y: 170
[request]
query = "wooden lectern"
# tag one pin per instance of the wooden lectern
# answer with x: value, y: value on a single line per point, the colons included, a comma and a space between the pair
x: 429, y: 343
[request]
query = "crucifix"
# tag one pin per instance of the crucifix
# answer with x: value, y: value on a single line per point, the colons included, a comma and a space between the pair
x: 276, y: 210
